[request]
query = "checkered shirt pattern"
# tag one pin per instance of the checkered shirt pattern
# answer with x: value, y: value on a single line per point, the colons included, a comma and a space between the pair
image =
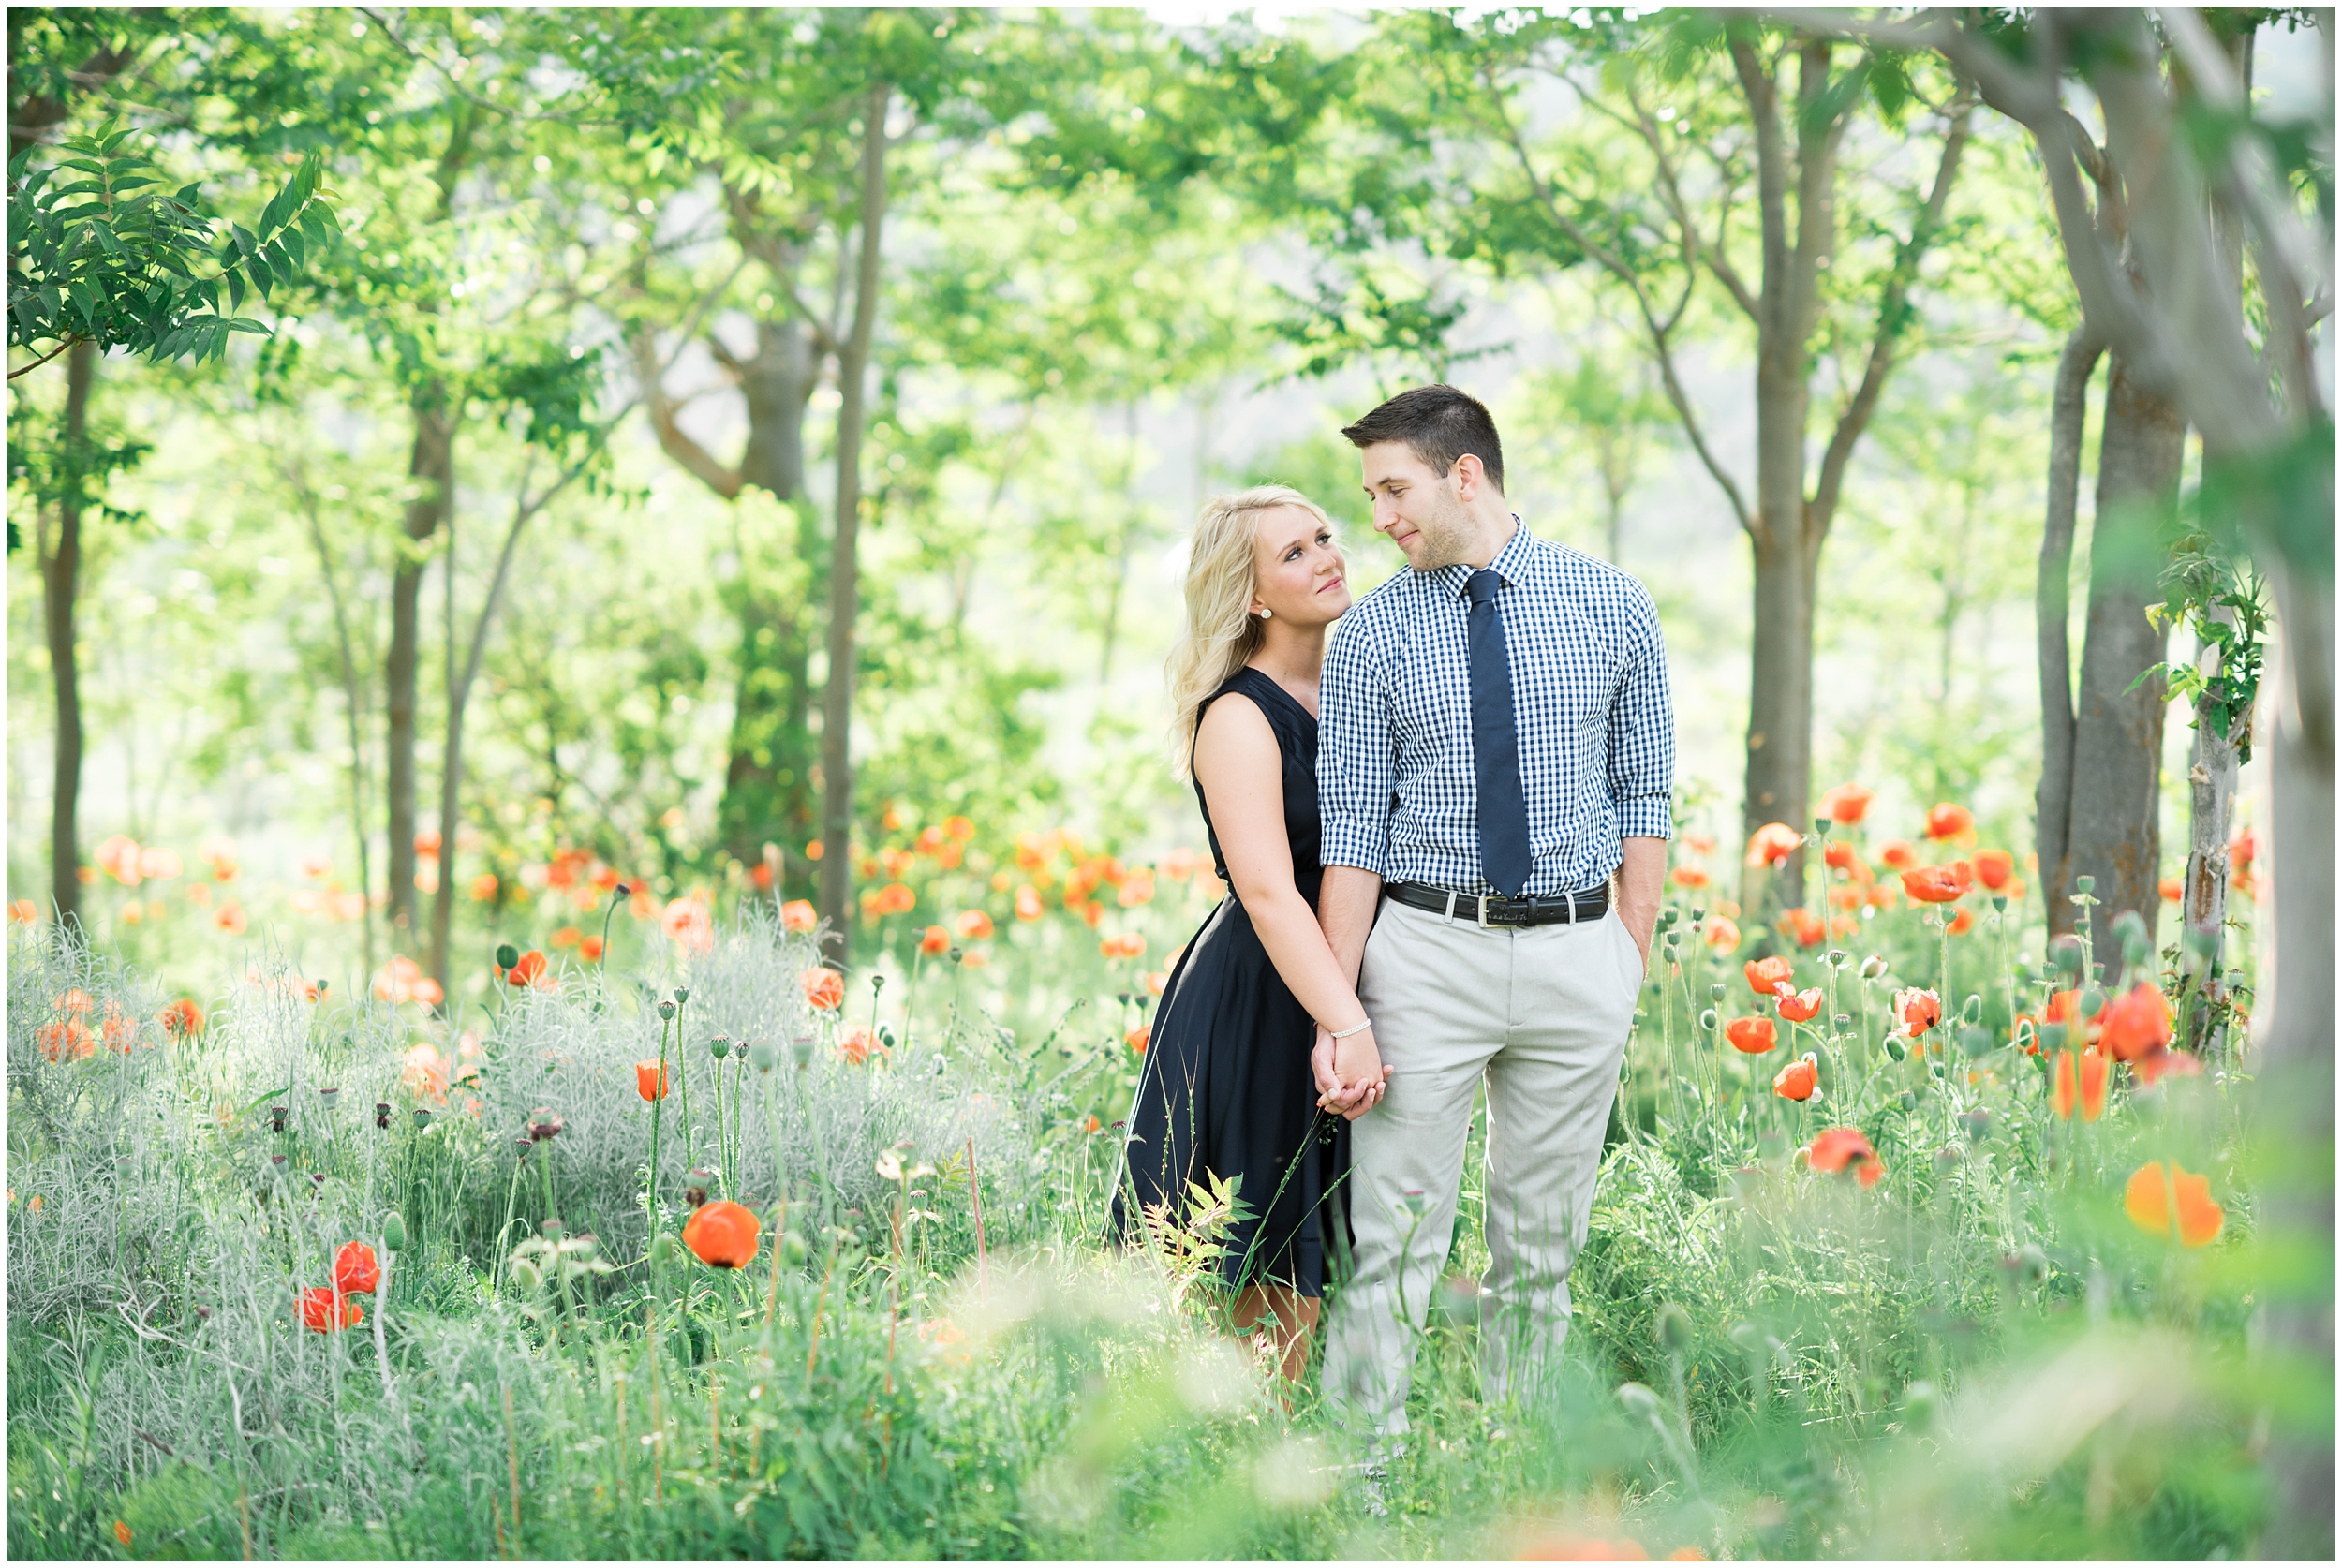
x: 1595, y: 727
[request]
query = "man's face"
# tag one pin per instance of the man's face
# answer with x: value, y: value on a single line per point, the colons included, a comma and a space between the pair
x: 1418, y: 509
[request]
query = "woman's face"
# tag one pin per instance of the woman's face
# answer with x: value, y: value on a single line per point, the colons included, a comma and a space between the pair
x: 1297, y: 574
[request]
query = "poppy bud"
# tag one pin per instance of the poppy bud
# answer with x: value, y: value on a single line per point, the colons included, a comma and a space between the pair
x: 666, y: 1009
x: 1949, y: 1158
x: 619, y: 890
x: 1975, y: 1042
x: 2093, y: 1003
x: 956, y: 954
x: 1841, y: 1022
x: 422, y: 1118
x: 1821, y: 828
x: 277, y: 1118
x: 1977, y: 1124
x: 394, y: 1231
x: 1673, y: 1329
x: 662, y: 1248
x: 1874, y: 966
x: 529, y: 1275
x: 682, y: 995
x: 1639, y: 1401
x: 507, y: 955
x: 553, y: 1230
x: 382, y: 1112
x: 793, y: 1250
x: 1708, y: 1018
x: 2000, y: 902
x: 1907, y: 1099
x: 1972, y: 1011
x: 1894, y: 1045
x: 763, y: 1056
x: 720, y: 1047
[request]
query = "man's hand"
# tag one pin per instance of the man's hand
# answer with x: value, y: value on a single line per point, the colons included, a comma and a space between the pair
x: 1641, y: 873
x: 1350, y: 1074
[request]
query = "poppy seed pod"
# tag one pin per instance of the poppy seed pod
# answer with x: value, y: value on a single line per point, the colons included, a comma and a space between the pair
x: 422, y: 1118
x: 682, y: 995
x: 329, y: 1098
x: 2000, y: 902
x: 553, y: 1230
x: 1841, y: 1022
x: 763, y: 1056
x: 1835, y: 957
x: 801, y: 1049
x: 1949, y: 1158
x: 666, y: 1009
x: 1715, y: 992
x: 382, y: 1114
x: 720, y: 1047
x: 524, y: 1143
x: 1638, y: 1401
x: 618, y: 891
x: 277, y: 1118
x: 1977, y: 1124
x: 507, y: 955
x: 1666, y: 917
x: 695, y: 1184
x: 1699, y: 915
x: 2085, y: 885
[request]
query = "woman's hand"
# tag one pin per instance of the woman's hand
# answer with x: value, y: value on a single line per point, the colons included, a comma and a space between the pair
x: 1350, y: 1073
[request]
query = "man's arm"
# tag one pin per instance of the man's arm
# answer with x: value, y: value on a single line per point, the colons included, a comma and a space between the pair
x: 1640, y: 875
x: 1354, y: 778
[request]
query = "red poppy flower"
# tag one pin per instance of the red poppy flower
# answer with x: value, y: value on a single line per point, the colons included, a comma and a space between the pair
x: 1136, y: 1040
x: 1933, y: 884
x: 68, y: 1041
x: 1897, y: 854
x: 1806, y: 926
x: 934, y: 941
x: 590, y: 950
x: 2161, y: 1201
x: 1795, y: 1081
x: 1126, y: 944
x: 183, y: 1019
x: 2155, y: 1064
x: 797, y: 915
x: 2078, y: 1082
x: 2136, y: 1023
x: 1752, y: 1036
x: 722, y: 1235
x: 1918, y: 1011
x: 1763, y: 974
x: 973, y: 925
x: 650, y: 1080
x: 1772, y: 843
x: 325, y: 1311
x: 1963, y: 922
x: 1839, y: 856
x: 854, y: 1047
x: 1091, y: 1124
x: 527, y: 969
x: 1688, y: 876
x: 1722, y: 933
x: 1846, y: 804
x: 1845, y: 1148
x: 824, y: 989
x: 1994, y: 867
x: 1947, y: 821
x: 1798, y: 1007
x: 355, y: 1270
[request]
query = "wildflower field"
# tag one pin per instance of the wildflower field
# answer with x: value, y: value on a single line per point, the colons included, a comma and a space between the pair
x: 1912, y: 1238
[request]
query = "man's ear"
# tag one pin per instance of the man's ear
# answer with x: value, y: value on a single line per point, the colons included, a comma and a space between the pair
x: 1470, y: 477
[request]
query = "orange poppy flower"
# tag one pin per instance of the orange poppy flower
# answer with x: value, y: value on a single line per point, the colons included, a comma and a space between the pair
x: 122, y: 1531
x: 119, y: 1032
x: 1963, y: 922
x: 1839, y: 856
x: 183, y: 1019
x: 650, y: 1080
x: 797, y: 915
x: 1847, y: 895
x: 1798, y: 1007
x: 1806, y: 926
x: 1125, y: 944
x: 324, y: 1311
x: 1931, y: 884
x: 2078, y: 1082
x: 23, y: 911
x: 973, y: 925
x: 355, y: 1270
x: 1772, y: 844
x: 1897, y: 854
x: 1994, y: 867
x: 2172, y: 888
x: 1028, y: 902
x: 1722, y: 935
x: 1156, y: 981
x: 1846, y: 804
x: 761, y: 875
x: 569, y: 935
x: 1752, y: 1036
x: 935, y: 940
x: 1918, y: 1011
x: 68, y: 1040
x: 1136, y: 1040
x: 722, y: 1235
x: 590, y: 948
x: 854, y: 1047
x: 1947, y: 821
x: 1842, y: 1149
x: 1795, y: 1081
x: 2136, y: 1023
x: 959, y: 828
x: 824, y: 989
x: 527, y: 970
x: 230, y: 918
x: 1582, y: 1549
x: 484, y: 887
x: 1763, y: 974
x: 2159, y: 1200
x: 688, y: 925
x: 1688, y: 876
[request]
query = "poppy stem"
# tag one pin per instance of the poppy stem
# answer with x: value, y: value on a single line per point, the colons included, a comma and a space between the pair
x: 683, y: 1085
x: 658, y: 1115
x: 975, y: 1203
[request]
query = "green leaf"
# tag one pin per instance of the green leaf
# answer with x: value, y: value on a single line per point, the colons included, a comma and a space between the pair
x: 235, y: 289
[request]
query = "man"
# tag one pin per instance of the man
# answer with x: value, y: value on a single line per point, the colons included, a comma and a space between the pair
x: 1495, y: 742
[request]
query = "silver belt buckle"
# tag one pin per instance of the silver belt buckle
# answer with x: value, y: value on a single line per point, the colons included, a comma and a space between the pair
x: 1484, y: 912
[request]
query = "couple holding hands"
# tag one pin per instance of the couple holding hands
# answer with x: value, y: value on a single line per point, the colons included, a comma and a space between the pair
x: 1444, y: 838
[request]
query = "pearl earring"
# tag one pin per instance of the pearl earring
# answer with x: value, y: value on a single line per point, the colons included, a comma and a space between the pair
x: 1264, y: 615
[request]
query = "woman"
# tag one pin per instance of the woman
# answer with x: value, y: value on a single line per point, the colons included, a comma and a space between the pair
x: 1227, y: 1090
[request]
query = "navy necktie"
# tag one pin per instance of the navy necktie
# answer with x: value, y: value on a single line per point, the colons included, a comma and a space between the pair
x: 1495, y: 743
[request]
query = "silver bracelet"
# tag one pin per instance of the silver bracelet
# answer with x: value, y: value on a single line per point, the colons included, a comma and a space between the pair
x: 1358, y: 1028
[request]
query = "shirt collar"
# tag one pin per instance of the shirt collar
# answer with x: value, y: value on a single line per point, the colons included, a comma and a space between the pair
x: 1512, y: 563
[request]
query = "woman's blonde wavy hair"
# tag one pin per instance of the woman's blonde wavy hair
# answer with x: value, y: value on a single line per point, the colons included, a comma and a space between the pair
x: 1219, y: 635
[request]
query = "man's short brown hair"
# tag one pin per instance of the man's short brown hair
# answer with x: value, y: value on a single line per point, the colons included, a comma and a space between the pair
x: 1439, y: 425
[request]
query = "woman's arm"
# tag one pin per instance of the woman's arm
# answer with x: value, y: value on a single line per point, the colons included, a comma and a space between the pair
x: 1242, y: 775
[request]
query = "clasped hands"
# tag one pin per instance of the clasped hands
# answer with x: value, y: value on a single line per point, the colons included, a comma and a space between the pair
x: 1349, y: 1072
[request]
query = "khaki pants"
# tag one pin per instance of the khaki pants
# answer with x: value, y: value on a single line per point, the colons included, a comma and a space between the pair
x: 1543, y: 1012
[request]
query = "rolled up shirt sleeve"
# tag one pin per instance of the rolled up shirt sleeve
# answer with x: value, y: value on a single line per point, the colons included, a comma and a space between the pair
x: 1642, y: 733
x: 1354, y: 751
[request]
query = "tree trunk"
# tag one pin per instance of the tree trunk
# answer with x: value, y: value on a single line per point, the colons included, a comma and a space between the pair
x: 837, y: 697
x: 2053, y: 799
x: 2204, y: 891
x: 431, y: 467
x: 2112, y: 833
x: 61, y: 586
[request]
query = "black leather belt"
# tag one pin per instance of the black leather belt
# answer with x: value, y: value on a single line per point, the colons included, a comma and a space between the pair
x: 1495, y: 908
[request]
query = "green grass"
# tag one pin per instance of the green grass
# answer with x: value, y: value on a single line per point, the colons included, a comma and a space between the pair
x: 1980, y: 1355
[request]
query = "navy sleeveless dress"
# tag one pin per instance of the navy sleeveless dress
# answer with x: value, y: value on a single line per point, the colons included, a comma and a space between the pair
x: 1226, y: 1086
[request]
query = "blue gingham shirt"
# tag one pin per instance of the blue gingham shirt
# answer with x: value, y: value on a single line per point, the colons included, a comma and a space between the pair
x: 1597, y: 732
